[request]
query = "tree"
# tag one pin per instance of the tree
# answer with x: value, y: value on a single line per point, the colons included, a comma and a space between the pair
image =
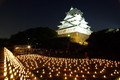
x: 3, y: 42
x: 105, y: 43
x: 33, y: 36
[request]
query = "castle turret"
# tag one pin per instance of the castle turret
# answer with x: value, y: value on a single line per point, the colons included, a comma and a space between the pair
x: 74, y: 26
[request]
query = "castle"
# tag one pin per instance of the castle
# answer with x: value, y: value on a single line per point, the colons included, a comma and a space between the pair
x: 75, y: 27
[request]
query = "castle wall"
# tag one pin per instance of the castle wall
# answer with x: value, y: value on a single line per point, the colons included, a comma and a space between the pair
x: 76, y: 37
x: 75, y: 27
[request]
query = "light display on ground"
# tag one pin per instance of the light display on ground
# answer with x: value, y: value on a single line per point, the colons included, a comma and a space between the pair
x: 38, y: 67
x: 13, y: 68
x: 52, y: 68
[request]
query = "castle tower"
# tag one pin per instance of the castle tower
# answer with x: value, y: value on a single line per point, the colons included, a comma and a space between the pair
x: 75, y: 27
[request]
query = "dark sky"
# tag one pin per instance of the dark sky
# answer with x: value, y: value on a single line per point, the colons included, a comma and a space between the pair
x: 19, y: 15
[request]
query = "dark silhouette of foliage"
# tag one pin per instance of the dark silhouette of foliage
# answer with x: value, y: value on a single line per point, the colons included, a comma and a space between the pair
x: 57, y: 43
x: 33, y: 36
x: 3, y: 42
x: 105, y: 43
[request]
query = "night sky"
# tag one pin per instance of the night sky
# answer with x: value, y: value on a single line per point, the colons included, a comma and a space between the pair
x: 19, y: 15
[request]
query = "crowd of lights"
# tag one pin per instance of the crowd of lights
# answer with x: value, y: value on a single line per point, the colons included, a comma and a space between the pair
x: 14, y: 69
x: 38, y: 67
x: 52, y: 68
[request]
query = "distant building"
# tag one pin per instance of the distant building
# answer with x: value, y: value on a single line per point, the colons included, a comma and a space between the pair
x: 75, y: 27
x: 22, y: 49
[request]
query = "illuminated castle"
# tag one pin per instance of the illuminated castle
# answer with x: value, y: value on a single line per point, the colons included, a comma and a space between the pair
x: 75, y: 27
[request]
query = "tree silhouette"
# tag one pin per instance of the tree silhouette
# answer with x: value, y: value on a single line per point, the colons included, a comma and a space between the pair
x: 33, y: 36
